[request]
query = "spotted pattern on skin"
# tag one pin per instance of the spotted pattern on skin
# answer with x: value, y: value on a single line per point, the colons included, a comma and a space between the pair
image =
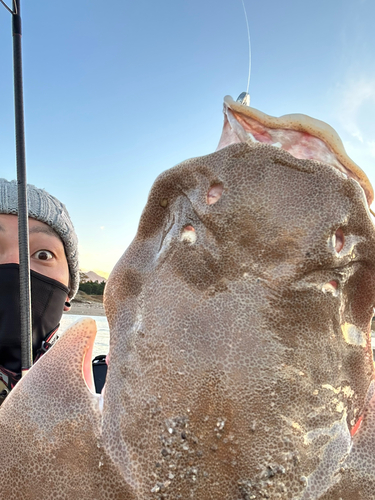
x: 233, y: 374
x: 225, y: 344
x: 50, y: 437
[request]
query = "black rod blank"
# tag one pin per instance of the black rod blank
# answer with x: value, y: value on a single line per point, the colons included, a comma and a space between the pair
x: 23, y: 225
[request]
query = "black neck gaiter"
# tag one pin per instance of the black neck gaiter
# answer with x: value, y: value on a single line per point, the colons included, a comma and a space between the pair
x: 47, y: 303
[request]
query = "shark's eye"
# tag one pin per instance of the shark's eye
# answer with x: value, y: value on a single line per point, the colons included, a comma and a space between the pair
x: 214, y: 193
x: 339, y: 240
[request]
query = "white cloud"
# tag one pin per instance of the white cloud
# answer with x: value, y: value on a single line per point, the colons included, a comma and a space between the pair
x: 363, y: 155
x: 355, y: 107
x: 353, y: 98
x: 358, y: 135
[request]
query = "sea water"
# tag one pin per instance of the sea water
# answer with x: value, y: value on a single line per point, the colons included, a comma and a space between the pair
x: 101, y: 345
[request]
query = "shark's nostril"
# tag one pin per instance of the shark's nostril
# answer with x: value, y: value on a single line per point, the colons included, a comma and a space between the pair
x: 214, y: 193
x: 189, y: 234
x: 331, y: 287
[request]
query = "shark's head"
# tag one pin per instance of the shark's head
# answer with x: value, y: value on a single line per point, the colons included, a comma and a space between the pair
x: 240, y: 358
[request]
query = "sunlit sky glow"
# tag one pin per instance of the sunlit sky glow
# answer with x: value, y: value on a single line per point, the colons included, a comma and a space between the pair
x: 117, y: 92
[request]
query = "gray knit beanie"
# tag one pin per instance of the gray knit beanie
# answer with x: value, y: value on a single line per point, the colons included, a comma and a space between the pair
x: 45, y: 208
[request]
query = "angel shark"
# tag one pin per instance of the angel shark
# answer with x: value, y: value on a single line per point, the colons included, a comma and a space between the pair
x: 240, y: 362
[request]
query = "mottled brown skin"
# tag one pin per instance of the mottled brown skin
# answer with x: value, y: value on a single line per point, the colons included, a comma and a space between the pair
x: 230, y: 376
x: 50, y: 436
x: 228, y: 349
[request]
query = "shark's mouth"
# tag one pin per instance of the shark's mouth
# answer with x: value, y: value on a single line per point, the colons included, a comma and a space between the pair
x: 302, y: 136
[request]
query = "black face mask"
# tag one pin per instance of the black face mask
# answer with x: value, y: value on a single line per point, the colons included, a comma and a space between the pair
x: 47, y: 303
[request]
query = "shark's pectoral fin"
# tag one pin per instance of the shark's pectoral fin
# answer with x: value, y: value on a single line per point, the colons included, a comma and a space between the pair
x: 50, y: 424
x: 62, y: 376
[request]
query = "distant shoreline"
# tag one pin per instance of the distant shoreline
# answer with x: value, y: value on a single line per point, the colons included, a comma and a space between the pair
x: 87, y: 309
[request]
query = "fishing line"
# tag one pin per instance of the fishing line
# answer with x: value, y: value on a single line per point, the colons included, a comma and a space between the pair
x: 248, y: 38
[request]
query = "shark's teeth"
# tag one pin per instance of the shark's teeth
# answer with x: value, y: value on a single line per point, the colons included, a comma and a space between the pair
x: 251, y: 137
x: 304, y: 132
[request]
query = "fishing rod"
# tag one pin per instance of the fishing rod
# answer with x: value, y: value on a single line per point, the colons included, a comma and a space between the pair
x: 23, y: 223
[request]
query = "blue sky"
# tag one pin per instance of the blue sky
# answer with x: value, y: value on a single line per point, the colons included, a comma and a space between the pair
x: 116, y: 92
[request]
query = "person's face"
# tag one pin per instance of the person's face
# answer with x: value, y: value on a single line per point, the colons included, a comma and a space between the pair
x: 47, y: 255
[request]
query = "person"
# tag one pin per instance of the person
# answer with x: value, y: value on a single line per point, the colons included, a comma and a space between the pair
x: 54, y: 275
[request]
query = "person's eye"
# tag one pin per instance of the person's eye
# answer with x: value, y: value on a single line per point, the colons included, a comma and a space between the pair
x: 43, y: 255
